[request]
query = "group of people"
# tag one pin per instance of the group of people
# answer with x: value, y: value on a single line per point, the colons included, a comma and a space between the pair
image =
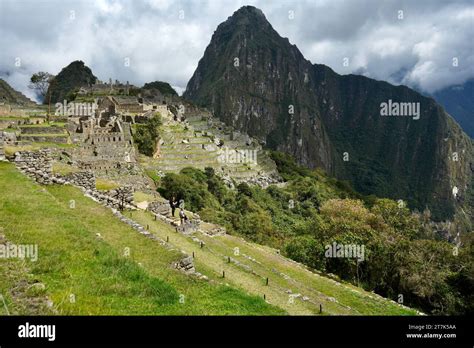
x: 173, y: 205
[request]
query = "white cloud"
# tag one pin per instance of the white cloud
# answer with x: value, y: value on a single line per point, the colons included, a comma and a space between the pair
x: 161, y: 45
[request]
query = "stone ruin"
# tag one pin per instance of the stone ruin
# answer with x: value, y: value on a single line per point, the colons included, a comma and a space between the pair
x: 186, y: 265
x: 38, y: 166
x: 103, y: 87
x: 104, y: 144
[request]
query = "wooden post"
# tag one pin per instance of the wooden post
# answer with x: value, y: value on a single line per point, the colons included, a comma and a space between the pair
x: 228, y: 259
x: 223, y: 274
x: 147, y: 227
x: 193, y: 254
x: 320, y: 308
x: 167, y: 239
x: 201, y: 245
x: 155, y: 217
x: 266, y: 282
x: 264, y: 297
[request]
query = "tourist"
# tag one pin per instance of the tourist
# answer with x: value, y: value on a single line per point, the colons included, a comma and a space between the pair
x: 173, y: 205
x: 182, y: 217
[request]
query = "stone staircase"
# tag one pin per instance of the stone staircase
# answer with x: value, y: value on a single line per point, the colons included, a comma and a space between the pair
x: 200, y: 142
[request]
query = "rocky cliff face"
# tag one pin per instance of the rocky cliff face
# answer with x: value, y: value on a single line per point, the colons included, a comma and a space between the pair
x: 70, y: 78
x: 256, y: 81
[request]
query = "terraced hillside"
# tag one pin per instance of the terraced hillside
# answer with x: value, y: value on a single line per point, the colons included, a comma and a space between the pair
x: 90, y: 262
x: 54, y: 133
x: 202, y: 142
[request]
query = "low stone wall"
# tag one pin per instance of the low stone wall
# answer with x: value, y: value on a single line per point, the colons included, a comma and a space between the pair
x: 81, y: 179
x: 44, y: 138
x: 162, y: 208
x: 38, y: 166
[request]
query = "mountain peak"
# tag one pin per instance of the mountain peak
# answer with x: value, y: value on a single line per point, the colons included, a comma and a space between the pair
x: 247, y: 15
x: 249, y: 11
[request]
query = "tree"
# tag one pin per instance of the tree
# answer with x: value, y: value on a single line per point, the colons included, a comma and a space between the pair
x: 397, y: 216
x: 146, y: 135
x: 307, y: 250
x: 40, y: 83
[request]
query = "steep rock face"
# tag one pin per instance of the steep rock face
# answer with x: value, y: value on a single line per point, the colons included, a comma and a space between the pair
x: 70, y: 78
x: 254, y: 81
x: 251, y: 78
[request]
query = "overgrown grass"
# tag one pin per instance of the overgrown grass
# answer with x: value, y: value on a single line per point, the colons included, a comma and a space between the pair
x: 105, y: 185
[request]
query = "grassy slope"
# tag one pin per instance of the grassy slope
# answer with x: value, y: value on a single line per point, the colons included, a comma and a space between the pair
x: 73, y: 260
x: 284, y: 274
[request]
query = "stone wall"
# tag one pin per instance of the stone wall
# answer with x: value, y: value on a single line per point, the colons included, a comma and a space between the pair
x: 81, y: 179
x: 42, y: 130
x: 38, y: 166
x: 44, y: 138
x: 162, y: 208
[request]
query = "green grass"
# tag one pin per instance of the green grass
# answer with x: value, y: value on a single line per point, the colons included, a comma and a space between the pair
x: 64, y: 169
x: 10, y: 150
x: 105, y: 185
x: 139, y: 196
x: 73, y: 260
x: 283, y: 274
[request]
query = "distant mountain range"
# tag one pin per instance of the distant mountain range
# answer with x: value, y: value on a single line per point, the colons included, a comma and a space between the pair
x: 258, y: 82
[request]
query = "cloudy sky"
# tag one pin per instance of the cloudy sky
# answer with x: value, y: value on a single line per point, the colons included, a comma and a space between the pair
x: 426, y: 44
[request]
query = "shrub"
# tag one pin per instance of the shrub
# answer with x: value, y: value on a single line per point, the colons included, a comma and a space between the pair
x: 307, y: 250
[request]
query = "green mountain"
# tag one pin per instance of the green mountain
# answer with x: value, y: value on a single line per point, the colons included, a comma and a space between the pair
x: 11, y: 96
x: 258, y: 82
x: 75, y: 75
x: 164, y: 87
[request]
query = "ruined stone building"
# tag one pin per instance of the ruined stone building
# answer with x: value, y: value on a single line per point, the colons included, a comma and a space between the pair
x: 107, y: 88
x: 120, y: 104
x: 104, y: 144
